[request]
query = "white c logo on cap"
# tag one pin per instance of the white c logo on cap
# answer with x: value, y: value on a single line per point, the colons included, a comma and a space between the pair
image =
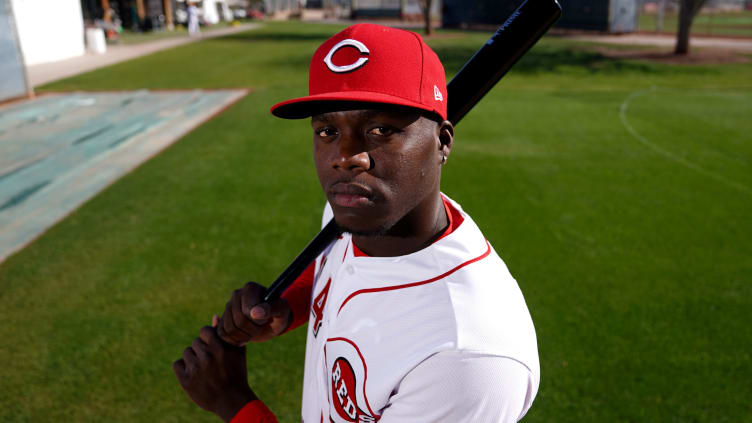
x: 351, y: 67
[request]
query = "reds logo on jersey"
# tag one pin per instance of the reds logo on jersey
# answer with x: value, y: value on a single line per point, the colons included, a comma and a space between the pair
x: 344, y: 385
x: 317, y: 308
x: 347, y: 395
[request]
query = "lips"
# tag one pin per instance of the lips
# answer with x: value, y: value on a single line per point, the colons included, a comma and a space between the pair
x: 349, y: 194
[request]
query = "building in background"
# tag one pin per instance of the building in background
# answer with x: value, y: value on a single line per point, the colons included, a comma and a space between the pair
x: 48, y: 30
x: 616, y: 16
x: 214, y: 11
x: 14, y: 82
x: 394, y: 9
x: 460, y: 14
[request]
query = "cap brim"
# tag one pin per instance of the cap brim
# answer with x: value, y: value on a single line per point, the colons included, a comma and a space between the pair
x: 303, y: 107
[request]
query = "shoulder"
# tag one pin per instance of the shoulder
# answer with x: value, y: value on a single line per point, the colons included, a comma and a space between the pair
x: 462, y: 386
x: 489, y: 310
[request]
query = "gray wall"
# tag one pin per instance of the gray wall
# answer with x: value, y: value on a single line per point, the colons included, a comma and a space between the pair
x: 594, y: 15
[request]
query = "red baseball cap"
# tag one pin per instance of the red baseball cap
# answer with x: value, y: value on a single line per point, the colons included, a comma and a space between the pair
x: 374, y: 64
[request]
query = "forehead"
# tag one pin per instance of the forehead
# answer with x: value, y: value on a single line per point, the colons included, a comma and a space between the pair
x: 363, y: 112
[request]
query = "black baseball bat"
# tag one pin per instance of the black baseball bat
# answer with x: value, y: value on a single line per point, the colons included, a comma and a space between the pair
x: 524, y: 27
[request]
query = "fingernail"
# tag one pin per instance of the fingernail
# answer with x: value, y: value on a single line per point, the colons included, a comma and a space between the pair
x: 258, y: 312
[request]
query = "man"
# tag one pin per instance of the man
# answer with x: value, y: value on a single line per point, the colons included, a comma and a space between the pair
x: 412, y: 315
x: 194, y: 29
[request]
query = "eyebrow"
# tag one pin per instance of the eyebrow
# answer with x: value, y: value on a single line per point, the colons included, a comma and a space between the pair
x: 366, y: 113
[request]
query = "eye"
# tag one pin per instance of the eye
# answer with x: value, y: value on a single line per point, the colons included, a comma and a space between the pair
x: 326, y: 132
x: 381, y: 131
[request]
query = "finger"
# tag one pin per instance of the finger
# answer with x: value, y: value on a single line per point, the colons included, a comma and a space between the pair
x: 209, y: 336
x: 201, y: 350
x: 281, y: 316
x: 179, y: 368
x: 215, y: 321
x: 279, y: 308
x: 252, y: 295
x: 231, y: 334
x: 241, y: 321
x: 224, y: 336
x: 189, y: 357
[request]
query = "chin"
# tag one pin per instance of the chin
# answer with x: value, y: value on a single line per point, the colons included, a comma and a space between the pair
x: 360, y: 226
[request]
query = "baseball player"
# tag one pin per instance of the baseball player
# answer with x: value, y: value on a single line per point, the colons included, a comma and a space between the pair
x: 412, y: 316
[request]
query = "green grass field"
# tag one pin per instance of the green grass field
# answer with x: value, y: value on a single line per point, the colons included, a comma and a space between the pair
x: 619, y: 194
x: 708, y: 22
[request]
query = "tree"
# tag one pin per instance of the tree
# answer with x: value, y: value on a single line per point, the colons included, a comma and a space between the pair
x: 687, y: 11
x: 425, y: 6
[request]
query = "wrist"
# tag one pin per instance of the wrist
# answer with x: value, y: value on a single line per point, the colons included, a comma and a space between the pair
x: 230, y: 405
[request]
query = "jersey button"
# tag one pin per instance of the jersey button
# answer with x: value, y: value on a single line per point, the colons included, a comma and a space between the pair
x: 350, y: 269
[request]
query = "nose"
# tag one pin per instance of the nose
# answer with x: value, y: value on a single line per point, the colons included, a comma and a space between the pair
x: 352, y: 154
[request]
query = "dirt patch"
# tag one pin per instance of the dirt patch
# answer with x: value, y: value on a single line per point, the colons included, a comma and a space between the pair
x: 699, y: 33
x: 697, y: 57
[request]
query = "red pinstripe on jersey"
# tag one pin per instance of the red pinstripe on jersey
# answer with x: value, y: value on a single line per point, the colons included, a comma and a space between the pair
x: 412, y: 284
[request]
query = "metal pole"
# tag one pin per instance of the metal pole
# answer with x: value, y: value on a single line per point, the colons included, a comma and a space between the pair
x: 661, y: 12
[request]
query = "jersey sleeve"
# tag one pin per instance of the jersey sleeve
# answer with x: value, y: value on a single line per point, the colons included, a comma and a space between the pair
x: 298, y: 295
x: 454, y: 386
x: 254, y: 412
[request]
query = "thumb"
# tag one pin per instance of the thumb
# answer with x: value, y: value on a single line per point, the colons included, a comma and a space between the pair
x: 260, y: 313
x: 215, y: 321
x: 280, y: 308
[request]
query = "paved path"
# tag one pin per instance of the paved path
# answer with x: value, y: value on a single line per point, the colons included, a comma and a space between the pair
x: 59, y: 150
x: 48, y: 72
x: 741, y: 45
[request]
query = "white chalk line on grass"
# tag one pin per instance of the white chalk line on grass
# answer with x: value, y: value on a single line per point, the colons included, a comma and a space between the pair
x: 666, y: 153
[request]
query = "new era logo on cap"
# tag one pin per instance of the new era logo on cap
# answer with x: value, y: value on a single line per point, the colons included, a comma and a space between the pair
x: 375, y: 64
x: 437, y: 94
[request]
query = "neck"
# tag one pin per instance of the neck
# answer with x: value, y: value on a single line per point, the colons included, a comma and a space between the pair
x: 415, y: 231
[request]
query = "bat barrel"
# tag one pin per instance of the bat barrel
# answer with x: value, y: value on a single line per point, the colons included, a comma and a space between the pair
x: 524, y: 27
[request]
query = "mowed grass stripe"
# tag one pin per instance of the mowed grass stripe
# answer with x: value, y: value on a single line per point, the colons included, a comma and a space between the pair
x: 635, y: 269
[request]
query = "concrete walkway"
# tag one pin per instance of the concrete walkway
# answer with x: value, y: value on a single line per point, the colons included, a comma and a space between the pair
x: 736, y: 44
x: 59, y: 150
x: 48, y: 72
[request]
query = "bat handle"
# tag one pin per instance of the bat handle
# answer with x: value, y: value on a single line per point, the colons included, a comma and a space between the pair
x: 328, y: 234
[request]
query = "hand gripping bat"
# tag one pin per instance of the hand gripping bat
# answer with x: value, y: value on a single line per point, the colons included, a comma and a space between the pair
x: 524, y: 27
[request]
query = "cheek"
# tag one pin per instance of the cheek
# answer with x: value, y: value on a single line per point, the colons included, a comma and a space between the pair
x: 319, y: 162
x: 412, y: 175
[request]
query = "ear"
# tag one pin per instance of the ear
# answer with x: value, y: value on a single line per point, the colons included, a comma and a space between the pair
x: 446, y: 138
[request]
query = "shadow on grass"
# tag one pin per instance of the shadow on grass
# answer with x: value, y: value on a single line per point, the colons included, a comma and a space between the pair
x: 546, y: 58
x: 543, y: 58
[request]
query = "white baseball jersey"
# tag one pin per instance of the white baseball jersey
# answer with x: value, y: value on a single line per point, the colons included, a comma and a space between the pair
x: 439, y: 335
